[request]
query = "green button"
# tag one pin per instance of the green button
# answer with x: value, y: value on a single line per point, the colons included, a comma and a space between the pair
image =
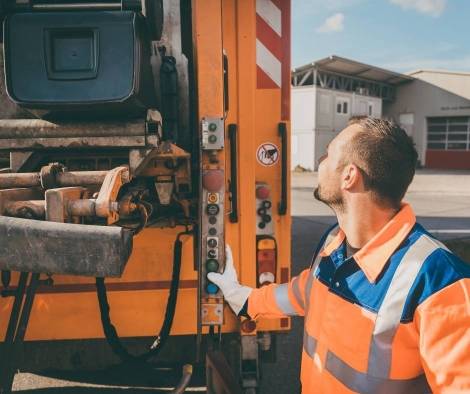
x: 212, y: 265
x: 212, y: 139
x: 212, y: 127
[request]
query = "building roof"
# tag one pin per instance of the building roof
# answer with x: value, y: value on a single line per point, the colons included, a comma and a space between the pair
x: 436, y: 71
x: 348, y: 67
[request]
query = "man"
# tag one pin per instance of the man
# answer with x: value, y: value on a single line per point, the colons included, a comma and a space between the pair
x: 386, y: 306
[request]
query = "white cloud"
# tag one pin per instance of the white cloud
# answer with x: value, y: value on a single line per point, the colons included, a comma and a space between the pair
x: 334, y: 23
x: 431, y: 7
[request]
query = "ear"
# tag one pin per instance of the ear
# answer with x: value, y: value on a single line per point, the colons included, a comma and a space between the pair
x: 351, y: 177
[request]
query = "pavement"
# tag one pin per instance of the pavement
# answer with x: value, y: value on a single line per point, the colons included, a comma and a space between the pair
x: 441, y: 200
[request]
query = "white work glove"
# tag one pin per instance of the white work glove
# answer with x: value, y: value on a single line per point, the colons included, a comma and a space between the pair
x: 235, y: 294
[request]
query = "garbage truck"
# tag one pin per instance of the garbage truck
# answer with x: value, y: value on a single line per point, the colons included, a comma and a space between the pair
x: 138, y: 138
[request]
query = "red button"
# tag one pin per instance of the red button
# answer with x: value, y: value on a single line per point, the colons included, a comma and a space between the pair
x: 262, y: 193
x: 213, y: 180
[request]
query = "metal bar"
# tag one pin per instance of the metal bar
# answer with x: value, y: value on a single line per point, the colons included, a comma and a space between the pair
x: 282, y: 129
x: 28, y: 144
x: 30, y: 209
x: 84, y: 207
x: 63, y: 248
x: 77, y: 6
x: 9, y: 372
x: 305, y: 77
x: 39, y: 128
x: 219, y: 375
x: 232, y: 132
x: 15, y: 311
x: 63, y: 179
x: 27, y: 179
x: 5, y: 361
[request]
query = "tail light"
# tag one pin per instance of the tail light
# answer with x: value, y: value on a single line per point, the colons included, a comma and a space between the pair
x: 266, y: 257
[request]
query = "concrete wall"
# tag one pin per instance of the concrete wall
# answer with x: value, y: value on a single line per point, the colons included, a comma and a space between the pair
x: 422, y: 100
x: 303, y: 100
x: 330, y: 122
x: 453, y: 82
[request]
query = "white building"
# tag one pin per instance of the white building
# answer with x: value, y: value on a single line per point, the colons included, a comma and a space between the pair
x: 432, y: 106
x: 435, y: 110
x: 326, y: 93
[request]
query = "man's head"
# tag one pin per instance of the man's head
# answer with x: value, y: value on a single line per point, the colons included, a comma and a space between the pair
x: 371, y: 156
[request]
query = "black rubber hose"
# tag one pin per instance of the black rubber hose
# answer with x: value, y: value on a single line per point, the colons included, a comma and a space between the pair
x: 109, y: 330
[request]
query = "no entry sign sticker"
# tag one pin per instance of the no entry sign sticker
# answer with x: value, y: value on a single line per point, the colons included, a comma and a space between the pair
x: 267, y: 154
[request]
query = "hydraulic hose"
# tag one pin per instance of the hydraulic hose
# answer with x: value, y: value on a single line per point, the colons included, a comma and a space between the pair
x: 110, y: 331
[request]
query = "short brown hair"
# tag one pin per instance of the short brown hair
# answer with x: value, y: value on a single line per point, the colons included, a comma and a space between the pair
x: 386, y: 156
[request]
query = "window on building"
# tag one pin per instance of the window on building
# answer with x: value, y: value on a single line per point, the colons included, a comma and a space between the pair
x: 342, y: 106
x: 449, y: 133
x: 370, y: 109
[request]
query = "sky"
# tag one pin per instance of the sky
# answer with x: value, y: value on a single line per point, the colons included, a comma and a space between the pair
x: 399, y: 35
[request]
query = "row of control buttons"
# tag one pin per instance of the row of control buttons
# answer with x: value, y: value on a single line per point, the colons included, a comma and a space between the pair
x: 263, y: 193
x: 212, y: 210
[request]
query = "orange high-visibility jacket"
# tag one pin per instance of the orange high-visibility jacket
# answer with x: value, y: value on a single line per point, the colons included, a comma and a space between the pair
x: 393, y: 318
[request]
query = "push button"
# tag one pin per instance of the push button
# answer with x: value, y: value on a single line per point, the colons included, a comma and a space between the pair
x: 212, y: 265
x: 212, y: 209
x: 211, y: 288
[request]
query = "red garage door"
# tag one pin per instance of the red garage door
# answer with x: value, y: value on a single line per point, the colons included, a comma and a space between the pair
x: 448, y: 144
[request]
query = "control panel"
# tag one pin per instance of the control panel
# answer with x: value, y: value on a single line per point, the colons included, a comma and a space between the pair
x: 264, y: 215
x: 212, y: 130
x: 212, y: 247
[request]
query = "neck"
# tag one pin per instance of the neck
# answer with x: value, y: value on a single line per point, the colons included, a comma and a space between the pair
x: 362, y: 220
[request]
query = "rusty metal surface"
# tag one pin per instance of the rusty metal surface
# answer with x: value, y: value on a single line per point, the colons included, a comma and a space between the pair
x: 63, y: 179
x: 10, y: 195
x: 62, y: 248
x: 57, y: 202
x: 39, y: 128
x: 86, y: 207
x: 30, y: 209
x: 85, y: 142
x: 106, y: 202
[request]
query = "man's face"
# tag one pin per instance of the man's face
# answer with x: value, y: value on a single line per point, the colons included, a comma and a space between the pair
x: 330, y: 168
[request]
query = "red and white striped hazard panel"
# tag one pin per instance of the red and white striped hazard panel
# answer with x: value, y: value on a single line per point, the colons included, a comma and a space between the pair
x: 273, y: 48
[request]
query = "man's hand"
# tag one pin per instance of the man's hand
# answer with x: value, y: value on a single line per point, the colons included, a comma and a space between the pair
x: 235, y: 294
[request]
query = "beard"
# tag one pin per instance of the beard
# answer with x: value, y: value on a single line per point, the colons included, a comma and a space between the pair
x: 333, y: 199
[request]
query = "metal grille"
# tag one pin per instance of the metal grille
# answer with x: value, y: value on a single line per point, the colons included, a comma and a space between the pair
x: 449, y: 133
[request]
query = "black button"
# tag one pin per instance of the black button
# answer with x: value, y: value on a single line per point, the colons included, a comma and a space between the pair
x: 266, y: 204
x: 212, y: 230
x: 212, y: 209
x: 212, y: 254
x: 212, y: 243
x: 212, y: 220
x: 261, y: 225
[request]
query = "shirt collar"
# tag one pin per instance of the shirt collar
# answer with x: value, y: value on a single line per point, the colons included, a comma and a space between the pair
x: 373, y: 256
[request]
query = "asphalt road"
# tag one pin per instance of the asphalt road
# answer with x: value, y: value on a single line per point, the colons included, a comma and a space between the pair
x: 442, y: 203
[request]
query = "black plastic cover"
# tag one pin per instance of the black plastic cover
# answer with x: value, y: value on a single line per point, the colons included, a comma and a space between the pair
x: 78, y: 61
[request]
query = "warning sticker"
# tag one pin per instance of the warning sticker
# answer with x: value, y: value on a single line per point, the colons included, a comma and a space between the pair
x: 267, y: 154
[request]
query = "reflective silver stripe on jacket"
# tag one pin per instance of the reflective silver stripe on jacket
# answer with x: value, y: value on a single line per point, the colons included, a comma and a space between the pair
x: 282, y: 300
x: 310, y: 344
x: 364, y: 383
x: 297, y: 292
x: 377, y: 380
